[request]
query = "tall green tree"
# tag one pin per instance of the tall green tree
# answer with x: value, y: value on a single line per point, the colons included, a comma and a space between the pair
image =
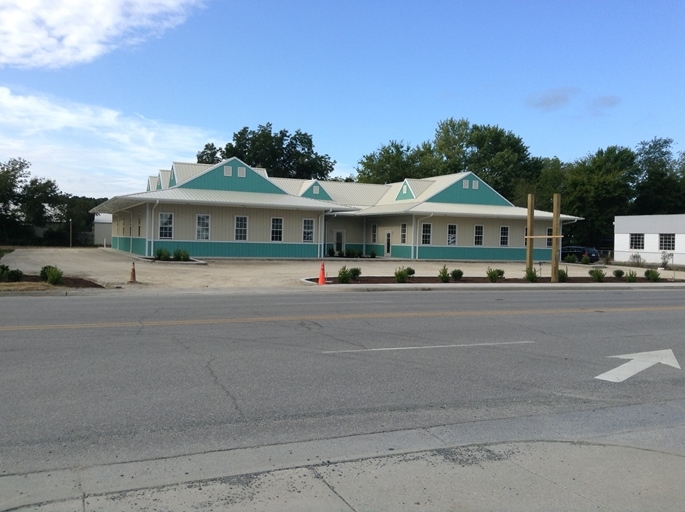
x: 660, y: 185
x: 394, y: 162
x: 282, y: 154
x: 597, y: 188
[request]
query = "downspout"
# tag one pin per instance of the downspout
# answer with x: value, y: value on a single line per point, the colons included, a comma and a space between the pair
x: 322, y: 235
x: 152, y: 229
x: 417, y: 237
x: 130, y: 234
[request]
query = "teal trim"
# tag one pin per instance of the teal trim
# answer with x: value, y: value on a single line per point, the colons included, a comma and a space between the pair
x: 322, y: 195
x: 457, y: 194
x: 123, y: 243
x: 139, y: 246
x: 159, y: 183
x: 379, y: 248
x: 214, y: 179
x: 172, y: 180
x: 202, y: 249
x: 405, y: 195
x: 432, y: 252
x: 400, y: 251
x: 148, y: 186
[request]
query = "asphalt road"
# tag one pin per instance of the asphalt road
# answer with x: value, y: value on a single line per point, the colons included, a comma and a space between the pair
x: 111, y: 379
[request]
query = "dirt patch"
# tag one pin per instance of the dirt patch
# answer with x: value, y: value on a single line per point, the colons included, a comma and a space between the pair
x: 35, y: 283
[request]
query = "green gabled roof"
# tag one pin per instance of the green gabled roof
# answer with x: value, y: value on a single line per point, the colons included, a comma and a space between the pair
x: 316, y: 191
x: 405, y: 192
x: 235, y: 175
x: 477, y: 192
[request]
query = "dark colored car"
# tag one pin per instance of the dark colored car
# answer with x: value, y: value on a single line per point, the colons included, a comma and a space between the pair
x: 579, y: 251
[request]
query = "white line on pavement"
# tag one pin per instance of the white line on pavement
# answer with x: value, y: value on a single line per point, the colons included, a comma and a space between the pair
x: 427, y: 346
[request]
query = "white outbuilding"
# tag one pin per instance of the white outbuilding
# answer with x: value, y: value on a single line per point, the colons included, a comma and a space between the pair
x: 650, y: 236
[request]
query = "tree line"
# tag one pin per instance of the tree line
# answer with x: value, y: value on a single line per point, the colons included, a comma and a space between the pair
x: 646, y: 180
x: 29, y: 202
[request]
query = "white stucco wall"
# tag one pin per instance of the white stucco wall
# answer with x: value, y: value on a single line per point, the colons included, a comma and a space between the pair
x: 651, y: 226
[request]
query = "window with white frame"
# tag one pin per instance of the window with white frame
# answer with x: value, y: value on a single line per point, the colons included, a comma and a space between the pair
x: 374, y: 233
x: 202, y: 226
x: 451, y: 234
x: 241, y: 172
x: 504, y: 236
x: 637, y: 241
x: 667, y: 241
x: 403, y: 233
x: 139, y: 225
x: 315, y: 189
x: 228, y: 170
x: 241, y: 227
x: 276, y: 229
x: 426, y: 234
x: 465, y: 183
x: 474, y: 185
x: 478, y: 235
x: 166, y: 226
x: 550, y: 231
x: 308, y: 230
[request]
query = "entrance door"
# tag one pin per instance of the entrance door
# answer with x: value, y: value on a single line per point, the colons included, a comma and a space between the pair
x: 387, y: 243
x: 340, y: 243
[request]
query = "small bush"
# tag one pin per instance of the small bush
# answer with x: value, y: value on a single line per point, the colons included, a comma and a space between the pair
x: 444, y: 274
x: 350, y: 253
x: 162, y: 254
x: 344, y: 275
x: 597, y: 274
x: 355, y: 273
x: 585, y: 260
x: 4, y: 269
x: 14, y: 276
x: 562, y: 275
x: 631, y: 277
x: 181, y: 255
x: 493, y: 274
x: 652, y: 275
x: 372, y: 253
x: 618, y: 273
x: 54, y: 275
x: 401, y: 275
x: 457, y: 274
x: 410, y: 271
x: 636, y: 260
x: 531, y: 275
x: 607, y: 259
x: 331, y: 252
x: 571, y: 258
x: 666, y: 257
x: 44, y: 272
x: 500, y: 273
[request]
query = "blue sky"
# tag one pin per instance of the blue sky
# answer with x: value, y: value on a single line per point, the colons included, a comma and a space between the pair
x: 100, y: 95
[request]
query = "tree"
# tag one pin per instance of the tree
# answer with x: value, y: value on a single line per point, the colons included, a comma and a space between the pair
x: 393, y: 162
x: 280, y: 153
x: 13, y: 176
x: 451, y: 146
x: 659, y: 187
x: 597, y: 188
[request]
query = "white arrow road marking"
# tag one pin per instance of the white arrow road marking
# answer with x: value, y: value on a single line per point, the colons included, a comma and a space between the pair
x: 638, y: 362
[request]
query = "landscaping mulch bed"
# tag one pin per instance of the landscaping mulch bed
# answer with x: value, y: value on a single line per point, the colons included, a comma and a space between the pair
x: 67, y: 282
x: 467, y: 280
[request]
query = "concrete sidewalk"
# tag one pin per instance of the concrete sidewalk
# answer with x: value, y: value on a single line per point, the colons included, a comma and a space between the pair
x: 576, y: 465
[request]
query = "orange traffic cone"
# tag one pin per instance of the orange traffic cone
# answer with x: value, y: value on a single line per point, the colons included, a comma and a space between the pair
x: 132, y: 279
x: 322, y: 274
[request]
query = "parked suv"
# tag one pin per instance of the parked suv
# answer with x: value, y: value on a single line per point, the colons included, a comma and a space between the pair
x: 579, y: 251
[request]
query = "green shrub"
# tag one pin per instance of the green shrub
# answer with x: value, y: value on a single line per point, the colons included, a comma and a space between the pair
x: 631, y: 277
x: 652, y: 275
x: 53, y: 275
x: 607, y: 259
x: 162, y: 254
x: 666, y: 257
x: 585, y: 260
x: 457, y: 274
x: 410, y: 271
x: 331, y: 252
x: 14, y: 276
x: 355, y: 273
x: 562, y: 275
x: 4, y: 269
x: 444, y: 274
x: 181, y: 255
x: 493, y: 274
x: 597, y: 274
x: 372, y: 253
x: 618, y: 273
x: 636, y: 260
x: 44, y: 272
x: 350, y: 253
x: 571, y: 258
x: 401, y: 275
x: 344, y: 275
x: 531, y: 275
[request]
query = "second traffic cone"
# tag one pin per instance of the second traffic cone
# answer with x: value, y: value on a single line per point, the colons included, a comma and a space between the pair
x: 322, y: 274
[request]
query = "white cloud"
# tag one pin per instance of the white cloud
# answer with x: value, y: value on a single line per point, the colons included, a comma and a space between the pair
x: 57, y: 33
x: 552, y: 99
x: 90, y: 150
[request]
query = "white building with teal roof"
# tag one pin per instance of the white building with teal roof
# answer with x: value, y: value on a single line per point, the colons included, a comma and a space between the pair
x: 231, y: 210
